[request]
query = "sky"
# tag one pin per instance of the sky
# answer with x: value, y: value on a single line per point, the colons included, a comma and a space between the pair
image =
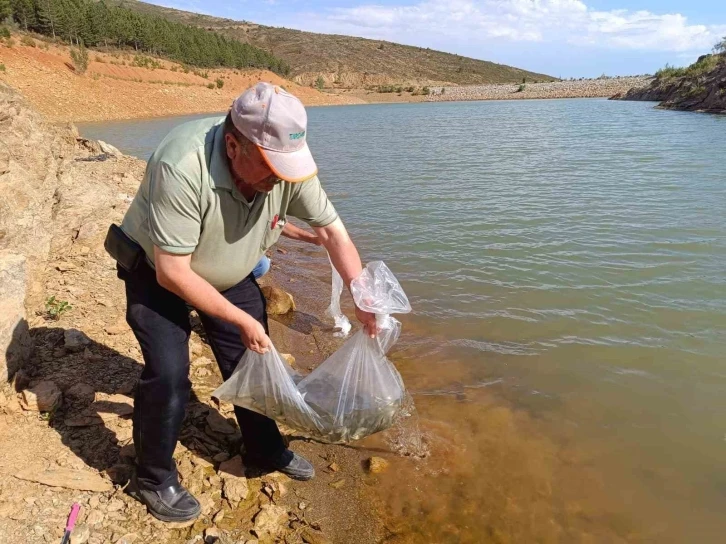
x: 562, y: 38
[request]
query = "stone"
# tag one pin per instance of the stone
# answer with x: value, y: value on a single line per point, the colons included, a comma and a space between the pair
x: 219, y: 424
x: 376, y: 465
x: 270, y: 521
x: 95, y: 517
x: 311, y: 536
x: 235, y: 485
x: 221, y: 457
x: 279, y: 302
x: 119, y: 473
x: 113, y: 330
x: 302, y: 505
x: 16, y: 345
x: 334, y: 467
x: 337, y: 484
x: 128, y: 538
x: 114, y: 505
x: 70, y: 479
x: 42, y: 397
x: 80, y: 393
x: 211, y: 535
x: 288, y: 358
x: 74, y: 340
x: 233, y: 467
x: 80, y: 534
x: 218, y: 517
x: 108, y: 149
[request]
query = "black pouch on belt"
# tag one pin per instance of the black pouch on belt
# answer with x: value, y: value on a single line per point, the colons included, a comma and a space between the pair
x: 123, y: 249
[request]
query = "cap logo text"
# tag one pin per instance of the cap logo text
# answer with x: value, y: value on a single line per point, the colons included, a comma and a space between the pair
x: 297, y: 135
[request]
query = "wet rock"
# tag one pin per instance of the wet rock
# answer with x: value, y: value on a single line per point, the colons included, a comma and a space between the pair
x: 74, y: 340
x: 80, y: 393
x: 42, y: 397
x: 219, y: 424
x: 279, y: 302
x: 311, y: 536
x: 270, y: 521
x: 376, y: 465
x: 70, y: 479
x: 80, y: 534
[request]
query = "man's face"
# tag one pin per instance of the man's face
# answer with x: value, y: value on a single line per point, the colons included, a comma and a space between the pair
x: 248, y: 166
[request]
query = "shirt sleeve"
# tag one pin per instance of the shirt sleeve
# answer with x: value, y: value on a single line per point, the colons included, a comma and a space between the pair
x: 174, y: 210
x: 310, y: 204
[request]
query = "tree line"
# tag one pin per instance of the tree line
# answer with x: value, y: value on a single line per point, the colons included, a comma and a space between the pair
x: 96, y: 24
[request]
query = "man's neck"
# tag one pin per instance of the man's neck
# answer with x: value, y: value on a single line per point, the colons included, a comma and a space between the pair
x: 247, y: 191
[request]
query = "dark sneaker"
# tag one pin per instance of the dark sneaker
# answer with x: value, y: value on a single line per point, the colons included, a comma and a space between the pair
x: 173, y: 503
x: 287, y: 462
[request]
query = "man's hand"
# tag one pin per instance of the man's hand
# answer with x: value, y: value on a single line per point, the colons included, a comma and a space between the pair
x: 368, y: 320
x: 253, y: 336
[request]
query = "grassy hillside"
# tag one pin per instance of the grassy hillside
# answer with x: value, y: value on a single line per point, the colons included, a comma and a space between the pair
x: 344, y: 61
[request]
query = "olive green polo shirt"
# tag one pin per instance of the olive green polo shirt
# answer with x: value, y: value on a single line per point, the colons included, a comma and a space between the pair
x: 188, y: 203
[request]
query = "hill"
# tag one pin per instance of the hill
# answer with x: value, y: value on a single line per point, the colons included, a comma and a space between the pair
x: 698, y: 87
x: 347, y: 62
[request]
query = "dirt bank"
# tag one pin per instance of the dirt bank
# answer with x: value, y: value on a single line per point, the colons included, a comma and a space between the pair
x: 700, y: 87
x: 65, y: 428
x: 114, y: 88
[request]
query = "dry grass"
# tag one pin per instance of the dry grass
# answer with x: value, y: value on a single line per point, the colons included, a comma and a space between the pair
x: 344, y: 61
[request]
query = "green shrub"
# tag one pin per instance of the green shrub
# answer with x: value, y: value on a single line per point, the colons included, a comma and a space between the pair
x: 220, y: 83
x: 703, y: 65
x: 56, y: 308
x: 410, y: 89
x: 443, y: 90
x: 319, y: 83
x: 80, y: 59
x: 399, y: 90
x: 522, y: 88
x: 28, y: 41
x: 426, y: 91
x: 142, y: 61
x: 99, y: 59
x: 210, y: 85
x: 2, y: 67
x: 669, y: 71
x: 4, y: 32
x: 10, y: 42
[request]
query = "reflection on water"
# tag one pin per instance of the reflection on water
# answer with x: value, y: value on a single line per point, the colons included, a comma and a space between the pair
x: 566, y: 261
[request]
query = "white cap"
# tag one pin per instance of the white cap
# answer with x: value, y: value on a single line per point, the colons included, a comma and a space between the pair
x: 276, y: 122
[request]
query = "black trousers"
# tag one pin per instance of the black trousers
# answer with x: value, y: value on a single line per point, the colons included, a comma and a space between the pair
x: 160, y: 321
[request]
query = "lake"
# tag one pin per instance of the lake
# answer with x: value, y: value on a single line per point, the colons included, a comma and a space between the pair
x: 566, y: 262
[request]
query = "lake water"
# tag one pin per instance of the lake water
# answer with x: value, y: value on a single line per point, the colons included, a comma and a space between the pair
x: 566, y: 261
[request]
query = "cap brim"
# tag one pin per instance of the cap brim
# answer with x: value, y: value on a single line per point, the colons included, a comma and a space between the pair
x: 294, y: 166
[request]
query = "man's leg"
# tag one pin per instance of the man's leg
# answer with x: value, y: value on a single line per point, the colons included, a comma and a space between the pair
x: 160, y: 321
x: 262, y: 440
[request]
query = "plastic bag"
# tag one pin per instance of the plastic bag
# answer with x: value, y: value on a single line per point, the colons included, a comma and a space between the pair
x: 334, y: 311
x: 354, y: 393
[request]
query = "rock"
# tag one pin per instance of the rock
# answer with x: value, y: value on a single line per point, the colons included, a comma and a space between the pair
x: 211, y: 535
x: 234, y: 482
x: 95, y: 517
x: 117, y: 329
x: 302, y: 506
x: 196, y: 347
x: 234, y: 468
x: 337, y: 484
x: 128, y: 538
x: 108, y: 149
x: 279, y: 302
x: 219, y: 424
x: 334, y: 467
x: 74, y: 340
x: 270, y: 521
x: 80, y: 534
x: 376, y: 465
x: 218, y: 517
x: 42, y: 397
x: 81, y: 393
x: 311, y: 536
x: 114, y: 505
x: 67, y: 478
x: 16, y: 344
x: 288, y: 358
x: 119, y: 473
x: 221, y: 457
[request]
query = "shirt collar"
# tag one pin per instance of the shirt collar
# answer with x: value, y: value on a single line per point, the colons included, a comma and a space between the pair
x: 219, y: 174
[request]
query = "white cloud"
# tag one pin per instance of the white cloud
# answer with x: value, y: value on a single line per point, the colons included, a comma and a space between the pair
x: 568, y: 21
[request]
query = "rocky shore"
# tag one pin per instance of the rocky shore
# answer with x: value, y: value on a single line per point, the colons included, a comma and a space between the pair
x: 586, y: 88
x: 701, y: 87
x: 70, y: 363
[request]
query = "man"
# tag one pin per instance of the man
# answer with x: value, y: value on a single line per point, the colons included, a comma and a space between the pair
x: 215, y: 196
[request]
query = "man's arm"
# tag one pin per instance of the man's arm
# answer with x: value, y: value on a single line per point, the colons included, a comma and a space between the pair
x: 346, y: 260
x: 174, y: 273
x: 296, y: 233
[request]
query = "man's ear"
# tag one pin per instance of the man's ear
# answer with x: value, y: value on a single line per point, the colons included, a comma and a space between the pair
x: 232, y: 146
